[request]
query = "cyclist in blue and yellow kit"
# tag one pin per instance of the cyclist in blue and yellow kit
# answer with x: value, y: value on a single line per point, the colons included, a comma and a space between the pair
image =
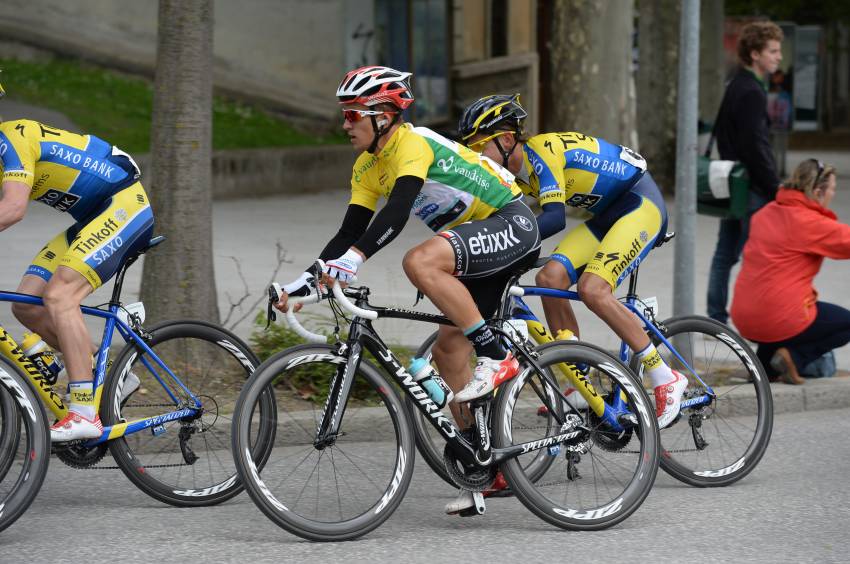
x: 97, y: 184
x: 609, y: 181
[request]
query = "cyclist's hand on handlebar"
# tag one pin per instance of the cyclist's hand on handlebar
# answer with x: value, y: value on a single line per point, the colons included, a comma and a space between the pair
x: 343, y: 268
x: 301, y: 286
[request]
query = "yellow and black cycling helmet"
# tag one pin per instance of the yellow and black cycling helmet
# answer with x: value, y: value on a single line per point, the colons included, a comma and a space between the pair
x: 498, y: 112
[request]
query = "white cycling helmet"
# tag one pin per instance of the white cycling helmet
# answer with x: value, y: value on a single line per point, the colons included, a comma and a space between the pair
x: 376, y: 85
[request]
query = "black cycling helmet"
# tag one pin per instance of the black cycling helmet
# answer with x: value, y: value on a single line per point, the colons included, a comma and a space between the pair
x: 498, y: 112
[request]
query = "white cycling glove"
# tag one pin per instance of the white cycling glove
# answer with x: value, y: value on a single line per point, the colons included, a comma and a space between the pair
x: 345, y: 267
x: 301, y: 286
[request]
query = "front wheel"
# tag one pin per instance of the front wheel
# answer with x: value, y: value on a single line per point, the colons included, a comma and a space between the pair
x: 27, y: 454
x: 338, y: 487
x: 599, y: 472
x: 184, y: 462
x: 717, y: 443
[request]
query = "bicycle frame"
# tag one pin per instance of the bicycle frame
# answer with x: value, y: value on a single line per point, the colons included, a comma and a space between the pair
x: 607, y: 412
x: 362, y: 336
x: 54, y: 402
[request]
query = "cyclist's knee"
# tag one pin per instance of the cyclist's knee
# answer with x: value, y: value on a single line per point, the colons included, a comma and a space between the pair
x: 594, y: 290
x: 552, y: 275
x: 424, y: 259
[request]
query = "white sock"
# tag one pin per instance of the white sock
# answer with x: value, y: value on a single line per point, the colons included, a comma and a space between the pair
x: 82, y: 399
x: 654, y: 367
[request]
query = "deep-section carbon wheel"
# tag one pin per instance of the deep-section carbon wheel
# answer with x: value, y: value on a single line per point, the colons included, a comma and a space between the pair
x: 719, y: 443
x: 25, y: 456
x: 599, y: 473
x: 337, y: 488
x: 184, y: 462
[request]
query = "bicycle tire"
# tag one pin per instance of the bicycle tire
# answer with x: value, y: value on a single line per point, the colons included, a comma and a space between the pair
x: 25, y: 474
x: 743, y: 407
x: 618, y: 466
x: 430, y: 443
x: 10, y: 431
x: 213, y: 363
x: 301, y: 508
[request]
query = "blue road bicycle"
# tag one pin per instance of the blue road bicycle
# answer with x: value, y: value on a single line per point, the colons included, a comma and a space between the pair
x: 727, y: 411
x: 165, y: 403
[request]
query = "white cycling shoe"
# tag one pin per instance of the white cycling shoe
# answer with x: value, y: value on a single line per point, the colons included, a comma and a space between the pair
x: 668, y: 399
x: 488, y: 374
x: 75, y: 427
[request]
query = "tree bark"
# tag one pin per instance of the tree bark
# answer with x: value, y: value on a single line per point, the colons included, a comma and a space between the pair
x: 712, y: 60
x: 658, y: 59
x: 591, y: 88
x: 178, y: 278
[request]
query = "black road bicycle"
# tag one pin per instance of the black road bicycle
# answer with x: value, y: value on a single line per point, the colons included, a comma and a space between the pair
x: 342, y: 460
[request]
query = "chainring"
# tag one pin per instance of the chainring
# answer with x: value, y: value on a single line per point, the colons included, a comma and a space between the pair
x: 77, y: 456
x: 474, y: 479
x: 609, y: 440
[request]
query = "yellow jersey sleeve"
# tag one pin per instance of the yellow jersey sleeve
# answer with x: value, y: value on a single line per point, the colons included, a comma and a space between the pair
x: 363, y: 192
x: 18, y: 152
x: 413, y: 157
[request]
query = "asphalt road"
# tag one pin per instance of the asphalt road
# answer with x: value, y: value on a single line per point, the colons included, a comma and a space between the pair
x: 795, y: 507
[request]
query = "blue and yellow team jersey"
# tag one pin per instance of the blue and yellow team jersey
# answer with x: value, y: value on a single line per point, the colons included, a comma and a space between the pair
x: 460, y: 185
x: 578, y: 170
x: 72, y: 173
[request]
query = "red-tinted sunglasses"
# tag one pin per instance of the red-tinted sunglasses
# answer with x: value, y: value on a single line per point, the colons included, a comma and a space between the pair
x: 356, y: 115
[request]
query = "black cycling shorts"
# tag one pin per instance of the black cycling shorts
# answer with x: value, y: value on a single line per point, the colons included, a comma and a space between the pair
x: 488, y: 251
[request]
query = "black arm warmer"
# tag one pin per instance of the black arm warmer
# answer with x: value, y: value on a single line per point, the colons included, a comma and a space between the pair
x: 393, y: 216
x: 353, y: 226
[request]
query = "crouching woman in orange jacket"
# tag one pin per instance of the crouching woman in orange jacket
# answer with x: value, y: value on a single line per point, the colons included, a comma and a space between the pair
x: 775, y: 303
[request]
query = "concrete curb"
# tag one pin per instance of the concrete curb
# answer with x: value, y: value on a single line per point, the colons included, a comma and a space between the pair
x: 815, y: 394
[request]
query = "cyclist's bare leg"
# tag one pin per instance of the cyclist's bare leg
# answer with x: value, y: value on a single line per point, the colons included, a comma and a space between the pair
x: 62, y: 297
x: 430, y: 267
x: 451, y: 352
x: 559, y: 313
x: 599, y: 297
x: 37, y: 318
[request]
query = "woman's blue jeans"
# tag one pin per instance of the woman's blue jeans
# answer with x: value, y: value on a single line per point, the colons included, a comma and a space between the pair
x: 730, y: 242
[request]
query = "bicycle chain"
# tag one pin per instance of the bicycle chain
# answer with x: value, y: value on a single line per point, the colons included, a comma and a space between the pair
x: 92, y: 467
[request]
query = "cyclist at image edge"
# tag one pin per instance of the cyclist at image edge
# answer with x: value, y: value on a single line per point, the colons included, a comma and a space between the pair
x: 462, y: 196
x: 97, y: 184
x: 609, y: 181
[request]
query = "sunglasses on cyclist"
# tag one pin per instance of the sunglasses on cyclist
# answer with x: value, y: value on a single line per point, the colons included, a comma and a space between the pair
x: 354, y: 116
x: 478, y: 146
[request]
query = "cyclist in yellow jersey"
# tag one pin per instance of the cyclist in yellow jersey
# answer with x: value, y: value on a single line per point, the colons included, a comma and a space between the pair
x: 609, y: 181
x: 483, y: 228
x: 97, y: 184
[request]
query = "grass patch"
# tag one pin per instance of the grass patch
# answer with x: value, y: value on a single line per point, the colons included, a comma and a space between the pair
x: 117, y: 107
x: 311, y: 382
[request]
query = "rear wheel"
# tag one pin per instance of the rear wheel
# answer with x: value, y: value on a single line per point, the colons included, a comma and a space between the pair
x: 26, y: 443
x: 719, y: 443
x: 598, y: 474
x: 183, y: 462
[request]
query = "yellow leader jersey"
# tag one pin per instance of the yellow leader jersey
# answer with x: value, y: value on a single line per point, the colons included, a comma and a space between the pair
x: 460, y: 185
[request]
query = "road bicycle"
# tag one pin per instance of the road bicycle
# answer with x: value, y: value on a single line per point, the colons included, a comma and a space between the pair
x: 25, y: 453
x: 727, y: 411
x: 343, y: 459
x: 165, y: 403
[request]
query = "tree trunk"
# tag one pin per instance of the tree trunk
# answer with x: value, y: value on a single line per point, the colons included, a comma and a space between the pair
x: 591, y: 88
x: 178, y: 278
x: 658, y: 60
x: 712, y: 59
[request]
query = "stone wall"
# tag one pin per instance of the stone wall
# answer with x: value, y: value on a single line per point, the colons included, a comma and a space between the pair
x: 250, y: 173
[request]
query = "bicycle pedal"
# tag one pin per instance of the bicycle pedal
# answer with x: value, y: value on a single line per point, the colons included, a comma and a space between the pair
x: 478, y: 509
